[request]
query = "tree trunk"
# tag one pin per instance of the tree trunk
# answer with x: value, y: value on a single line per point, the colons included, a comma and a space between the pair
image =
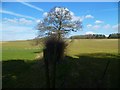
x: 46, y: 56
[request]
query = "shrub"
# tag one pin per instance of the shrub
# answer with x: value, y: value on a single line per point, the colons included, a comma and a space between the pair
x: 55, y: 49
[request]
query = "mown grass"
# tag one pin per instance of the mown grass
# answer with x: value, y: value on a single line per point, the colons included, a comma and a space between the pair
x: 83, y: 66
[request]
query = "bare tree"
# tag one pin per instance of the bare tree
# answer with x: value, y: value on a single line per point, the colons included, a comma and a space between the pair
x: 58, y: 22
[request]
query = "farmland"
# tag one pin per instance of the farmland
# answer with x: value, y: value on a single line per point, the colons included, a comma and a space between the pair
x: 83, y: 66
x: 19, y: 50
x: 25, y: 49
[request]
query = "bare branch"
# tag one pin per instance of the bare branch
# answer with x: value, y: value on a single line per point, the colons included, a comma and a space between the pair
x: 59, y: 20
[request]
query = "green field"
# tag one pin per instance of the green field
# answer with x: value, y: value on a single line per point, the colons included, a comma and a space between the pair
x: 25, y: 49
x: 19, y: 50
x: 83, y: 65
x: 83, y: 46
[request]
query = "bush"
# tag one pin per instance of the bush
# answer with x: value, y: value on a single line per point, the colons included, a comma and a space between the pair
x: 55, y: 49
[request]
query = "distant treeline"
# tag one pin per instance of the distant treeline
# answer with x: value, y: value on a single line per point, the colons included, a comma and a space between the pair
x: 116, y: 35
x: 96, y: 36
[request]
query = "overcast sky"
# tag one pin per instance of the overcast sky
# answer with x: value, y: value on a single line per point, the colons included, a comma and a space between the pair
x: 20, y: 18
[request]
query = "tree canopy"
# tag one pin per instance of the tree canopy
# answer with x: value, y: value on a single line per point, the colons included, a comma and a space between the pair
x: 58, y: 22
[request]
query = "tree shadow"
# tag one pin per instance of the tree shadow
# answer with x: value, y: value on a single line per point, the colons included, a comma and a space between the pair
x: 86, y: 71
x: 23, y: 74
x: 90, y: 71
x: 37, y: 52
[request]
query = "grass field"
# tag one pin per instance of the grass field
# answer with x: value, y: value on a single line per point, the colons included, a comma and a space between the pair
x: 19, y: 50
x: 83, y: 66
x: 25, y: 49
x: 84, y: 46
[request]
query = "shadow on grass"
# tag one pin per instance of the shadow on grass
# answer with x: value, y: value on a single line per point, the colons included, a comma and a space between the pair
x: 22, y: 74
x: 86, y: 71
x: 38, y: 52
